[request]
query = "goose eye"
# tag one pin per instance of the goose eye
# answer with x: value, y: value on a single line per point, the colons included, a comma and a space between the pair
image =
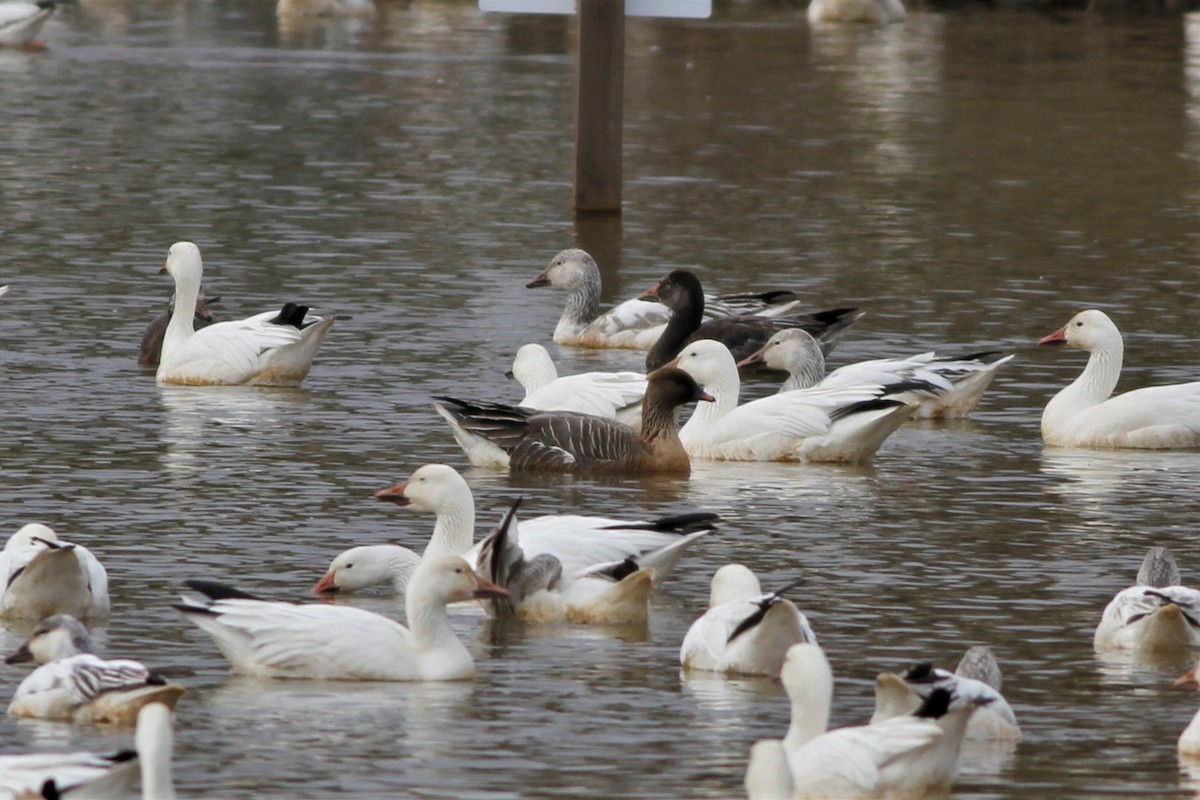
x: 1079, y: 324
x: 349, y: 566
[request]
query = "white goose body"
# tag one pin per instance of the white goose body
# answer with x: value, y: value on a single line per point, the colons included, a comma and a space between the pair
x: 21, y: 22
x: 615, y: 395
x: 993, y: 719
x: 846, y: 762
x: 83, y: 774
x: 744, y: 631
x: 1155, y: 614
x: 288, y: 640
x: 252, y: 351
x: 1086, y: 414
x: 578, y: 542
x: 72, y: 684
x: 821, y: 11
x: 44, y: 575
x: 952, y: 386
x: 808, y: 425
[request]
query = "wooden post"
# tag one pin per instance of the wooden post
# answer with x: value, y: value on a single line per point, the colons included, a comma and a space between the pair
x: 599, y: 116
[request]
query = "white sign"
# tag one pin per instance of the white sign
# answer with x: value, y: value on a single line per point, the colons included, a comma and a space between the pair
x: 692, y: 9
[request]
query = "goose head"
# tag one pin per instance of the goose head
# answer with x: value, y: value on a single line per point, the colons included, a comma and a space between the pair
x: 571, y: 269
x: 450, y: 579
x: 183, y: 263
x: 707, y: 361
x: 791, y: 349
x: 533, y: 367
x: 670, y: 387
x: 431, y: 489
x: 31, y: 534
x: 1088, y: 330
x: 357, y: 568
x: 56, y: 637
x: 678, y: 289
x: 733, y: 582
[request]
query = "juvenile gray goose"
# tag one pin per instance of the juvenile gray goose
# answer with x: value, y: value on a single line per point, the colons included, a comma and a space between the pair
x: 152, y: 338
x: 499, y: 435
x: 743, y: 334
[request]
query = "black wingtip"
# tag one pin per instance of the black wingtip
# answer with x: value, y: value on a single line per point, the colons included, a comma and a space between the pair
x: 921, y: 673
x: 292, y: 314
x: 215, y: 590
x: 936, y: 705
x: 625, y: 569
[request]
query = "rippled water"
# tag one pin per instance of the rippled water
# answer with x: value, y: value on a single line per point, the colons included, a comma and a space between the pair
x: 970, y: 178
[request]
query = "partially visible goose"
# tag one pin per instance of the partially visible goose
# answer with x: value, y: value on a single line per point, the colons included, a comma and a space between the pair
x: 72, y: 684
x: 956, y: 384
x: 1189, y: 740
x: 21, y: 22
x: 577, y: 542
x: 369, y: 565
x: 635, y: 324
x: 152, y: 337
x: 270, y: 349
x: 844, y: 425
x: 743, y: 632
x: 1086, y: 414
x: 977, y: 677
x: 931, y: 770
x: 616, y: 395
x: 1155, y: 614
x: 846, y: 762
x: 84, y: 774
x: 44, y: 575
x: 541, y: 590
x: 820, y: 11
x: 742, y: 334
x: 288, y: 640
x: 498, y: 435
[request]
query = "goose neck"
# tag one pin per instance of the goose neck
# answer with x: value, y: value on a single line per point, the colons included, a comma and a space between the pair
x: 583, y: 302
x: 454, y: 531
x: 181, y: 325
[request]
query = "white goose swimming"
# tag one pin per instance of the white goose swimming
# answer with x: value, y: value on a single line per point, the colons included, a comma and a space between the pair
x: 1189, y: 741
x: 21, y: 22
x: 270, y: 349
x: 72, y: 684
x: 953, y: 386
x: 1086, y: 414
x: 615, y: 395
x: 84, y: 774
x: 977, y: 677
x: 1155, y: 614
x: 44, y: 575
x: 288, y: 640
x: 744, y: 631
x: 866, y: 761
x: 635, y: 324
x: 845, y: 424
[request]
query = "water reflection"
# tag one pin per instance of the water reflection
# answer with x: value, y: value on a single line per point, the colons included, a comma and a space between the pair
x: 1100, y: 485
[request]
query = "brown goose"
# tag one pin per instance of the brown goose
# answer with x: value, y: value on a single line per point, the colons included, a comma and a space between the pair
x: 499, y: 435
x: 742, y: 334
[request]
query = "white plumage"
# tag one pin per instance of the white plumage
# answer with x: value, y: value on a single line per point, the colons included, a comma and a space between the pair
x: 615, y: 395
x: 744, y: 631
x: 269, y: 349
x: 44, y: 575
x: 1087, y: 414
x: 841, y: 424
x: 21, y: 22
x: 1155, y: 614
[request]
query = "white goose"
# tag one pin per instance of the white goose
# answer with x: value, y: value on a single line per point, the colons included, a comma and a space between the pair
x: 21, y: 22
x: 369, y: 565
x: 89, y: 775
x: 634, y: 324
x: 866, y: 761
x: 744, y: 631
x: 615, y: 395
x: 44, y: 575
x: 843, y: 424
x: 72, y: 684
x: 953, y: 385
x: 1189, y: 740
x: 270, y: 349
x: 1086, y: 414
x: 288, y: 640
x: 1155, y: 614
x: 822, y: 11
x: 977, y: 678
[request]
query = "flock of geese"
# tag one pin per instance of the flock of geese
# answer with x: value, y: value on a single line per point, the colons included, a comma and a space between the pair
x: 590, y: 569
